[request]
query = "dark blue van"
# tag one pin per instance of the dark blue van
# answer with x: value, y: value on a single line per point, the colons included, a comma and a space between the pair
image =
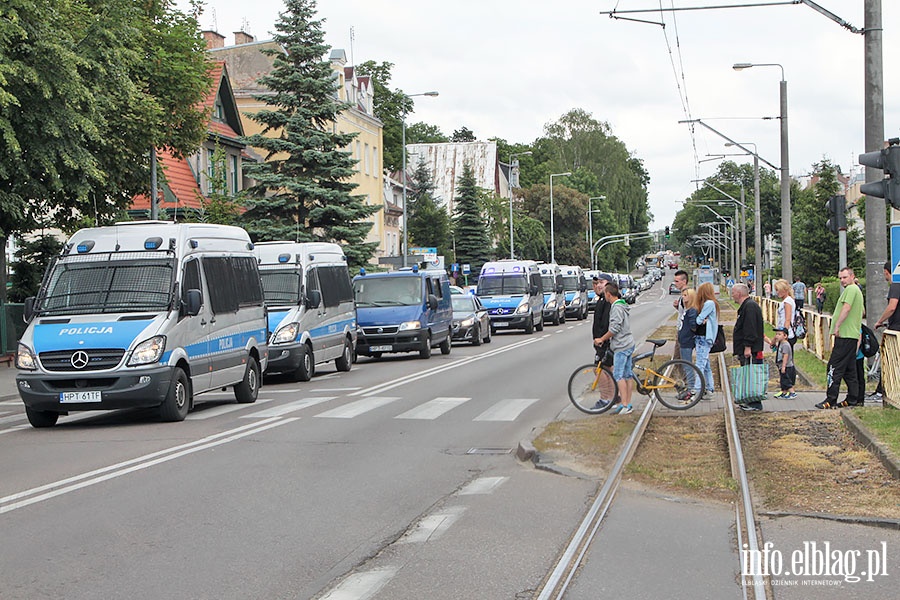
x: 403, y: 311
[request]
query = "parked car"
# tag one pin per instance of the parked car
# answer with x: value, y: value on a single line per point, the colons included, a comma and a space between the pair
x: 471, y: 322
x: 673, y: 289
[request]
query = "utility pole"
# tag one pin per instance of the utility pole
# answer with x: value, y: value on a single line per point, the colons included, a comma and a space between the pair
x: 876, y: 227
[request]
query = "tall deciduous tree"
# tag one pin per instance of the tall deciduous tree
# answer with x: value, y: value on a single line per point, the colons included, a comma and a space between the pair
x: 303, y: 191
x: 469, y: 231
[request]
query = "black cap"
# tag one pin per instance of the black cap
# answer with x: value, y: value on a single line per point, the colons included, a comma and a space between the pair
x: 604, y: 276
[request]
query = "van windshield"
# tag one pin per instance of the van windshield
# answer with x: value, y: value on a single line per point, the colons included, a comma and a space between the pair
x: 387, y: 291
x: 503, y: 285
x: 109, y: 283
x: 280, y: 286
x: 570, y: 284
x: 548, y: 283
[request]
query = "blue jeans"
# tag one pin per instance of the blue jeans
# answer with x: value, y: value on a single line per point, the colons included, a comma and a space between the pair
x: 703, y: 346
x: 622, y: 364
x: 688, y: 355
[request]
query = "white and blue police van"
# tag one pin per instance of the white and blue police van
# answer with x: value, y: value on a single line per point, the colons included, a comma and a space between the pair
x: 312, y: 316
x: 512, y: 292
x: 144, y: 314
x: 575, y: 287
x: 554, y: 296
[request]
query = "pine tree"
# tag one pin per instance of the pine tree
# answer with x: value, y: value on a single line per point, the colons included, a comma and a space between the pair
x: 302, y: 190
x: 472, y: 244
x: 429, y: 223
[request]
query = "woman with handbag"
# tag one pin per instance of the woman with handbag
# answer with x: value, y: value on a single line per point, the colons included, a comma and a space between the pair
x: 705, y: 333
x: 784, y: 318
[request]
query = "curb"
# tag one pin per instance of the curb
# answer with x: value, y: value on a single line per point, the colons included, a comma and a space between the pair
x: 865, y: 437
x: 853, y: 520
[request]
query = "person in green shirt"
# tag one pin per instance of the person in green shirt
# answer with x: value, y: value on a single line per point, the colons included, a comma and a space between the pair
x: 845, y: 327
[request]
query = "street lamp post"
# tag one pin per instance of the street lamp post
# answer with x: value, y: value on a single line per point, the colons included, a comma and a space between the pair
x: 552, y: 239
x: 403, y: 143
x: 591, y: 225
x: 757, y: 235
x: 787, y: 267
x: 512, y: 244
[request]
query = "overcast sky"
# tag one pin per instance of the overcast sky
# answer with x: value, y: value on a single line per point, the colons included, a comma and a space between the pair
x: 506, y: 68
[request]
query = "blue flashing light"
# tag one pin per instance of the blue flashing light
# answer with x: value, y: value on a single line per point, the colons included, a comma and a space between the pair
x: 283, y: 258
x: 84, y: 247
x: 152, y: 243
x: 517, y: 269
x: 415, y: 268
x: 194, y: 244
x: 362, y: 271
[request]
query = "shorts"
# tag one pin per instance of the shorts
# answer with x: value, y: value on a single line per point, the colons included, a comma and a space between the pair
x: 623, y: 364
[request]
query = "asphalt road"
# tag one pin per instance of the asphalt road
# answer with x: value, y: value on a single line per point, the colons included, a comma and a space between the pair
x: 395, y: 480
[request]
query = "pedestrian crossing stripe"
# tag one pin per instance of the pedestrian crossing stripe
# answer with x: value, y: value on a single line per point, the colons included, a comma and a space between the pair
x: 433, y: 408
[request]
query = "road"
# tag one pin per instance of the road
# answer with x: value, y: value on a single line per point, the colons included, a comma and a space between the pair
x: 395, y: 480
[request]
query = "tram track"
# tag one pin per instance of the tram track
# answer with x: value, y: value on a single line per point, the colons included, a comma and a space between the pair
x: 747, y: 529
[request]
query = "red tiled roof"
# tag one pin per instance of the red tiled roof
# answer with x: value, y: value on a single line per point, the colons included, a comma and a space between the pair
x: 222, y: 129
x: 179, y: 178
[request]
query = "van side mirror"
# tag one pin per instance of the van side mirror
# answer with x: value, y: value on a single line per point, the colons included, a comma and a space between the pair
x: 313, y: 299
x: 29, y: 308
x: 582, y: 286
x: 559, y: 288
x: 192, y: 304
x: 432, y: 302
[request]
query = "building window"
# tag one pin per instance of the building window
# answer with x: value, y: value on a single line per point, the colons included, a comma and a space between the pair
x: 235, y: 175
x: 375, y: 165
x: 366, y: 159
x: 210, y: 169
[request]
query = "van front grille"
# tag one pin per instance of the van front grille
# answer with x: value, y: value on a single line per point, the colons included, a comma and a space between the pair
x: 385, y: 329
x: 92, y: 359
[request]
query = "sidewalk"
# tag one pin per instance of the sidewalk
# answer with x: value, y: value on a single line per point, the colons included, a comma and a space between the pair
x: 8, y: 382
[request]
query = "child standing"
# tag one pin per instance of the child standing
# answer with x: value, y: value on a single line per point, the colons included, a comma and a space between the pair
x: 784, y: 360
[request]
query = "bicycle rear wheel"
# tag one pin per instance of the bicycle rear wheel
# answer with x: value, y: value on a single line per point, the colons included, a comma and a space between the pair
x: 675, y: 385
x: 592, y: 389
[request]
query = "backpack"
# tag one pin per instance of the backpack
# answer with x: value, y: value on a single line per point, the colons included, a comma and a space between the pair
x: 798, y: 324
x: 868, y: 342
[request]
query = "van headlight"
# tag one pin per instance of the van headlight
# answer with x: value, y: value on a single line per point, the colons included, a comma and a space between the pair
x: 576, y: 301
x: 409, y: 325
x: 551, y: 305
x: 286, y: 334
x: 25, y: 358
x: 522, y: 309
x: 148, y: 351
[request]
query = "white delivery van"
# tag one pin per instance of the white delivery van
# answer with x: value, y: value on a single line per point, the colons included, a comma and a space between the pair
x: 312, y: 315
x: 144, y: 314
x: 512, y: 292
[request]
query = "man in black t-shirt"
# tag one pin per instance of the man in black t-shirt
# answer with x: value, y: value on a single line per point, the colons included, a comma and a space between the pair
x: 890, y: 317
x: 601, y: 314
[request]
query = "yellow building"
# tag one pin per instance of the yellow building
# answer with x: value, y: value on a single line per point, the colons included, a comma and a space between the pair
x: 246, y: 64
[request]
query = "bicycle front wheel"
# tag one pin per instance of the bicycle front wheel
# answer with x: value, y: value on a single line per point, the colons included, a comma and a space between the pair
x: 675, y: 386
x: 592, y: 389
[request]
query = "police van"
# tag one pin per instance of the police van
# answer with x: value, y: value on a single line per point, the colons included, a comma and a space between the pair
x: 312, y: 316
x: 575, y: 287
x: 512, y: 292
x: 554, y: 296
x: 144, y: 314
x: 403, y: 311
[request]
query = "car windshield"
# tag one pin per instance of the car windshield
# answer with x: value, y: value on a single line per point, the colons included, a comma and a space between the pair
x: 502, y: 285
x: 280, y: 286
x: 387, y: 291
x: 548, y: 283
x: 108, y: 283
x: 463, y: 303
x: 570, y: 284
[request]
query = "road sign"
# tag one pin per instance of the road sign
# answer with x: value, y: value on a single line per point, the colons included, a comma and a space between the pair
x: 466, y: 269
x: 895, y: 253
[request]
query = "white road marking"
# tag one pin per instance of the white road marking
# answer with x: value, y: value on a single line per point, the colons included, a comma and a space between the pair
x: 64, y: 486
x: 278, y: 411
x: 432, y: 526
x: 16, y: 428
x: 215, y: 411
x: 482, y: 485
x: 354, y: 409
x: 11, y: 403
x: 506, y: 410
x: 344, y: 389
x: 433, y: 408
x: 361, y: 586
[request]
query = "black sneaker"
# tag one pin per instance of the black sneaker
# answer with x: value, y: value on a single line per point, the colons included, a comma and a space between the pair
x: 750, y: 408
x: 825, y: 404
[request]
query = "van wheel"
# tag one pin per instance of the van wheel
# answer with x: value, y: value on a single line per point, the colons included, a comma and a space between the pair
x: 529, y: 326
x: 178, y: 400
x: 425, y: 351
x: 540, y: 326
x: 445, y: 345
x: 247, y: 390
x: 476, y: 336
x: 556, y: 319
x: 304, y: 371
x: 345, y: 360
x: 41, y: 418
x: 490, y: 332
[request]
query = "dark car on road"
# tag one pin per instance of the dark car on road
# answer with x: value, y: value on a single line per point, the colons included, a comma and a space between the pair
x: 673, y: 289
x: 471, y: 322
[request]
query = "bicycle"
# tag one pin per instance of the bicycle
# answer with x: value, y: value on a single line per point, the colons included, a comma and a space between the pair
x: 593, y: 390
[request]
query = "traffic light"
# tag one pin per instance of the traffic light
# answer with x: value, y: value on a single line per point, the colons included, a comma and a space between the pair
x: 837, y: 213
x: 667, y: 232
x: 888, y: 160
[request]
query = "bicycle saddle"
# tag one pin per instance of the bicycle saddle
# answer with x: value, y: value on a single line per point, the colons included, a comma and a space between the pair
x: 658, y: 343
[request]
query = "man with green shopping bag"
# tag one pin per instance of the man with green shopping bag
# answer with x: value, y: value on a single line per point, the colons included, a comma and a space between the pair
x: 747, y: 343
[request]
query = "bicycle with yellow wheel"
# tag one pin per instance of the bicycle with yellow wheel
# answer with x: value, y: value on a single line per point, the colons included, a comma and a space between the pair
x: 593, y: 390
